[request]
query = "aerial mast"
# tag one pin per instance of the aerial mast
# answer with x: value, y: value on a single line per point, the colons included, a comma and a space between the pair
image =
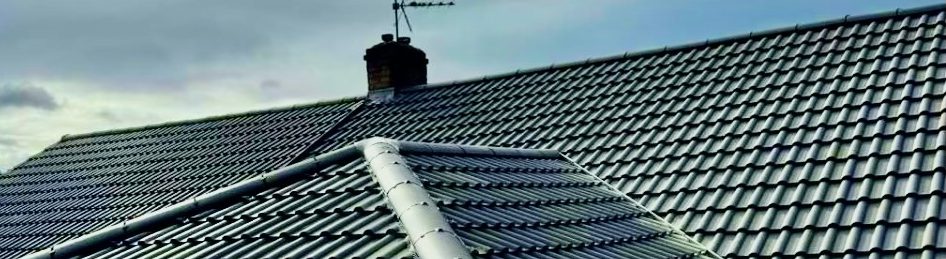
x: 400, y: 10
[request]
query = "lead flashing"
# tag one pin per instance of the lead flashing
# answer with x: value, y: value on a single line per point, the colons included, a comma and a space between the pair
x: 381, y: 95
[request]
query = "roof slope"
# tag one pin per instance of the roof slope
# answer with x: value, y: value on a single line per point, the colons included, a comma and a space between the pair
x: 84, y: 183
x: 335, y: 211
x: 498, y: 202
x: 541, y: 206
x: 824, y: 139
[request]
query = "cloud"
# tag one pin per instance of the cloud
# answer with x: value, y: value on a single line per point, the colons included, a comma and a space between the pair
x: 26, y: 95
x: 143, y: 45
x: 8, y: 142
x: 161, y: 45
x: 119, y: 116
x: 10, y: 152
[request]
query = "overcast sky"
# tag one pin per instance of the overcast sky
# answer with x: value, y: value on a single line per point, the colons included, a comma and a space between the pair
x: 70, y: 67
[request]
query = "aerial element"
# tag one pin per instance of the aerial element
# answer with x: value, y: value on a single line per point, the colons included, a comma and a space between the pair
x: 400, y: 8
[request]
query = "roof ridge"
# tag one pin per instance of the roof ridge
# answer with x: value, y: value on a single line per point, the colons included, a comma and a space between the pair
x: 899, y: 12
x: 351, y: 99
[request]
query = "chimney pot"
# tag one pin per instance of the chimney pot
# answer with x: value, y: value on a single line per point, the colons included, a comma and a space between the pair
x: 405, y: 40
x: 387, y: 37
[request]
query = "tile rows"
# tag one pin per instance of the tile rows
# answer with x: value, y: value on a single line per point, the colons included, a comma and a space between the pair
x: 87, y: 182
x: 851, y: 111
x: 517, y: 207
x: 337, y: 212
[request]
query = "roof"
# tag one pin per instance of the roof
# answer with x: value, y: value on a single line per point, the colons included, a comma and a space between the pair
x: 821, y: 141
x: 814, y: 140
x: 381, y: 197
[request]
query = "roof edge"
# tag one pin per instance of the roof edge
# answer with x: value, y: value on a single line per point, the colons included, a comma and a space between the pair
x: 696, y: 44
x: 351, y: 99
x: 220, y: 196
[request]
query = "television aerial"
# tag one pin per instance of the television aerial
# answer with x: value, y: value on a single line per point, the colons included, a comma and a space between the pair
x: 400, y: 9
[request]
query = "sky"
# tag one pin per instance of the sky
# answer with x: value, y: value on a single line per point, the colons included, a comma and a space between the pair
x: 69, y: 67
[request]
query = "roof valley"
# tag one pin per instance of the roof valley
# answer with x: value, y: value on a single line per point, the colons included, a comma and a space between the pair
x: 305, y: 152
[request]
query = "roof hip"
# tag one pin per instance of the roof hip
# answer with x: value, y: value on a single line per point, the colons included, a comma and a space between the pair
x: 428, y: 230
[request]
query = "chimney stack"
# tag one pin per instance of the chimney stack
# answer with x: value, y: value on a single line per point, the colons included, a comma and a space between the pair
x: 392, y: 65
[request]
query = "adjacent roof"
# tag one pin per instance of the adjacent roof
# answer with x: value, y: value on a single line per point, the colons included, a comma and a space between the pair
x: 393, y: 195
x: 825, y: 139
x: 87, y: 182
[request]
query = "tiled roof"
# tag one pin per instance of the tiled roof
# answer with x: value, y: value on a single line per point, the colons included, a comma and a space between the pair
x: 87, y: 182
x: 826, y: 139
x: 498, y: 202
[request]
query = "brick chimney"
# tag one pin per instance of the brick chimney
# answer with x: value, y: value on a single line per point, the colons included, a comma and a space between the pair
x: 393, y: 65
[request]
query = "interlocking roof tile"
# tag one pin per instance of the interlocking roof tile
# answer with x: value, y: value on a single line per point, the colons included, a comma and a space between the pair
x: 543, y: 207
x: 819, y: 140
x: 520, y: 204
x: 87, y: 182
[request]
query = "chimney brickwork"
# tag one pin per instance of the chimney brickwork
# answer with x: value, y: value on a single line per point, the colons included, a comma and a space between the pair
x: 394, y: 64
